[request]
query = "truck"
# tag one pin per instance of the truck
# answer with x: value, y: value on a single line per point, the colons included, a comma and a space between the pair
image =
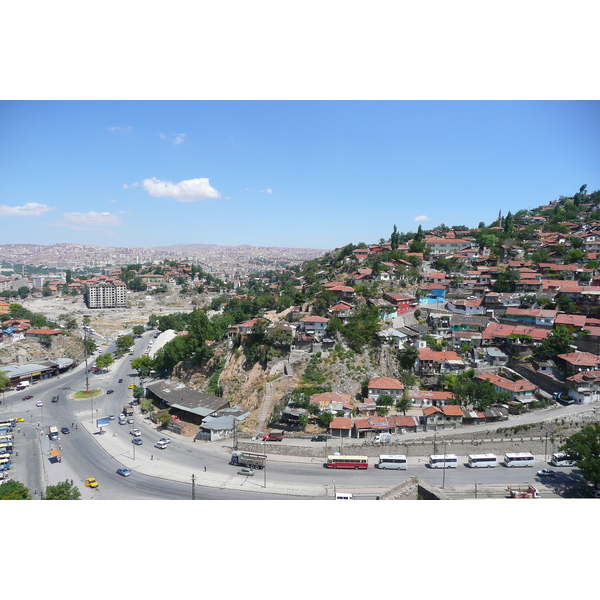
x: 248, y: 459
x: 273, y: 436
x: 53, y: 433
x: 526, y: 491
x: 22, y: 385
x: 128, y: 410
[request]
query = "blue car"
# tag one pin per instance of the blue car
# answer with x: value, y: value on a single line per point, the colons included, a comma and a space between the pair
x: 124, y: 472
x: 137, y: 441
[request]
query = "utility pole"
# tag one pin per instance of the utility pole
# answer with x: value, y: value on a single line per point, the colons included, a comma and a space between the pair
x: 193, y: 487
x: 444, y: 472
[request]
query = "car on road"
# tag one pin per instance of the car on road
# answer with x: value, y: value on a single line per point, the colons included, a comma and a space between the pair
x: 135, y: 432
x: 27, y: 397
x: 137, y: 441
x: 319, y: 438
x: 130, y: 420
x: 120, y: 381
x: 39, y: 403
x: 110, y: 391
x: 130, y: 387
x: 123, y: 471
x: 246, y: 472
x: 166, y: 440
x: 111, y: 417
x: 161, y: 445
x: 91, y: 482
x: 65, y: 430
x: 546, y: 473
x: 19, y: 420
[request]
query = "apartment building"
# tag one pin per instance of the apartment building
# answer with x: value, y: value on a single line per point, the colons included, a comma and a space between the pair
x: 105, y: 292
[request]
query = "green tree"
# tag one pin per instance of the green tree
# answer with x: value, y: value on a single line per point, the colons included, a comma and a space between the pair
x: 143, y: 365
x: 104, y: 361
x: 89, y: 346
x: 395, y: 238
x: 124, y: 342
x: 558, y: 342
x: 138, y: 392
x: 138, y: 329
x: 362, y: 328
x: 583, y: 448
x: 509, y: 224
x: 4, y: 380
x: 65, y: 490
x: 14, y: 490
x: 404, y: 403
x: 164, y: 419
x: 325, y: 419
x: 408, y: 357
x: 137, y: 285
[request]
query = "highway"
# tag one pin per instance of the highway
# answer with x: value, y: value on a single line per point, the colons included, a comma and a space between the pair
x: 167, y: 474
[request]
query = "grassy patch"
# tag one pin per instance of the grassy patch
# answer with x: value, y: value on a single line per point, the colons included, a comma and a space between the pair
x: 83, y: 394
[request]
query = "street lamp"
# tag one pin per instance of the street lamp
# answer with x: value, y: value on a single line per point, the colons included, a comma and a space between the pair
x: 334, y: 489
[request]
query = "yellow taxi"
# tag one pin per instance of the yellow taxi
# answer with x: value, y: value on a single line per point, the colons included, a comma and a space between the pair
x: 19, y: 420
x: 130, y: 387
x: 91, y: 482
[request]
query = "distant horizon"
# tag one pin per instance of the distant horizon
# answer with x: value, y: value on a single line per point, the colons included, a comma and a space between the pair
x: 296, y: 174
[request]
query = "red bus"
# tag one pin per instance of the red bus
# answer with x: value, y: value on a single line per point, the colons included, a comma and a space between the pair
x: 347, y: 462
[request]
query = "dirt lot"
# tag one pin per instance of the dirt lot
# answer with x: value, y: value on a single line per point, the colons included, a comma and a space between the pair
x: 111, y: 322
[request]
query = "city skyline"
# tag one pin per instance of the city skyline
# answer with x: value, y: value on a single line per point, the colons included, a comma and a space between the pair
x: 300, y: 174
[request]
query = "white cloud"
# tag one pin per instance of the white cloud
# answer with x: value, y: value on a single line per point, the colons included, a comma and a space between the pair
x: 189, y: 190
x: 174, y: 138
x: 121, y: 129
x: 98, y: 222
x: 422, y: 218
x: 267, y: 191
x: 31, y: 209
x: 127, y: 186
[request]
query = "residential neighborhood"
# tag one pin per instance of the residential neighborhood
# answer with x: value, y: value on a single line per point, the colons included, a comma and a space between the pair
x: 444, y: 306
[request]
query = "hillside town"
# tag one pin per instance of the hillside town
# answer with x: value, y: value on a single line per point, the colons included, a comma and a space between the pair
x: 452, y: 327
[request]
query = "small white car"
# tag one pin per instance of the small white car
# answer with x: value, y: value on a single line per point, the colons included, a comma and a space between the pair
x: 135, y: 432
x: 39, y: 403
x: 166, y: 440
x: 161, y: 445
x: 245, y: 471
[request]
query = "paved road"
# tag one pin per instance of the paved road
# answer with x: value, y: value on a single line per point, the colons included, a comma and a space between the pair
x: 168, y: 473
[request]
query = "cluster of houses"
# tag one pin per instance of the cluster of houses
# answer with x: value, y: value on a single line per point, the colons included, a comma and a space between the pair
x: 359, y: 419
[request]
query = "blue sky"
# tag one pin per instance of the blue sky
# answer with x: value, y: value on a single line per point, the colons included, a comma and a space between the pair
x: 316, y: 174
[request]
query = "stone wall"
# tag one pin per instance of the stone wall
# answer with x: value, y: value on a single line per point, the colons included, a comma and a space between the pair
x: 544, y: 382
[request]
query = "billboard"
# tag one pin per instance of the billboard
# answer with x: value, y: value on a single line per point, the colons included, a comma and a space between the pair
x: 102, y: 422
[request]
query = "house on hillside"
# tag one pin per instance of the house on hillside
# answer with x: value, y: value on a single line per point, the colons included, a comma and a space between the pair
x: 522, y: 391
x: 433, y: 362
x: 379, y: 386
x: 447, y: 416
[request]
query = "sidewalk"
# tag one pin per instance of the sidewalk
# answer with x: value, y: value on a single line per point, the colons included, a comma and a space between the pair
x: 161, y: 466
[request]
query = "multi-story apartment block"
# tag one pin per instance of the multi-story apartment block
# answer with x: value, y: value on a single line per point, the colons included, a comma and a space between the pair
x: 104, y: 292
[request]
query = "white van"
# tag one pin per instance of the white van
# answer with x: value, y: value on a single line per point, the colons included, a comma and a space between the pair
x: 342, y: 496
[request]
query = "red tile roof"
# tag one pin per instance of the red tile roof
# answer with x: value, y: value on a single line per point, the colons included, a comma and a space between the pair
x: 385, y: 383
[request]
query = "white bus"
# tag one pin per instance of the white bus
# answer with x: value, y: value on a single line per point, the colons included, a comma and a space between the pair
x: 392, y: 461
x: 443, y: 461
x: 479, y: 461
x: 519, y: 459
x: 559, y: 460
